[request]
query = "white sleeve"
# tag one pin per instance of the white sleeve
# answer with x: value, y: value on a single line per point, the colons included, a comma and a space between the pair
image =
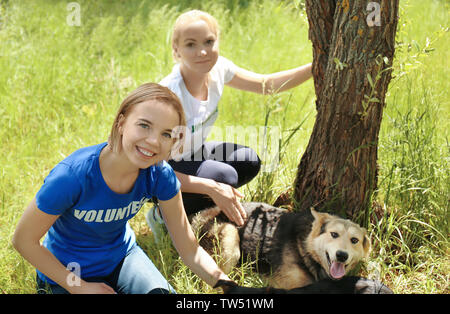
x: 228, y: 68
x: 173, y: 82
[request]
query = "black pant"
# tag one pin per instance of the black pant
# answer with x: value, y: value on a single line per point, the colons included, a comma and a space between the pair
x: 228, y: 163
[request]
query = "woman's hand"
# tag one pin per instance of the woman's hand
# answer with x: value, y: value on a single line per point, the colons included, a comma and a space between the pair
x: 226, y: 198
x: 223, y: 195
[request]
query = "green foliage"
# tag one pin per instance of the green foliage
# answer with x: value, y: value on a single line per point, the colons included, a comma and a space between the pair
x: 60, y: 87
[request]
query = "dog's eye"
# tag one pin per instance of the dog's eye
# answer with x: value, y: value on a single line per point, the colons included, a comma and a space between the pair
x: 334, y: 234
x: 354, y: 240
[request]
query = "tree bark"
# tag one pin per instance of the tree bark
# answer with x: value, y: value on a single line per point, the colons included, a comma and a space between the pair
x: 351, y: 69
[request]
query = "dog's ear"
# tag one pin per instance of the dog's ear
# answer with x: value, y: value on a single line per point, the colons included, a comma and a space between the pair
x: 320, y: 217
x: 315, y: 214
x: 366, y: 244
x: 320, y: 221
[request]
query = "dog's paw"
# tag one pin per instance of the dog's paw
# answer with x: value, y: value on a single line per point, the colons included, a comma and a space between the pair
x: 368, y: 286
x: 226, y: 285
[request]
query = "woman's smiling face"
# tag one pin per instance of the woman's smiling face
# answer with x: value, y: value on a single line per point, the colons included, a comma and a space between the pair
x: 146, y: 131
x: 198, y: 47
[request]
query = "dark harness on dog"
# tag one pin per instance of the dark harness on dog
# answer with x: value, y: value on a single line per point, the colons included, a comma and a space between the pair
x: 259, y: 230
x: 257, y: 237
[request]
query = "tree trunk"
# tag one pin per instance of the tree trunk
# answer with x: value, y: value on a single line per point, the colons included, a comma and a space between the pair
x: 352, y: 59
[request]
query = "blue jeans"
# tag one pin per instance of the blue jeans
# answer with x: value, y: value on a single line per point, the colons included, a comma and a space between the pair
x: 135, y: 274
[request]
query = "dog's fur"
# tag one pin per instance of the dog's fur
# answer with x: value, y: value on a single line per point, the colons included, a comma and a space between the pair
x: 294, y: 249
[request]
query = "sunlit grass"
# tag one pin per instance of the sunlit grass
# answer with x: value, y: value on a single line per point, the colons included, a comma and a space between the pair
x: 60, y: 86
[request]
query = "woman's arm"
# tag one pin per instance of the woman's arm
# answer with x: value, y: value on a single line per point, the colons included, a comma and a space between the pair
x: 185, y: 242
x: 270, y: 83
x: 223, y: 195
x: 32, y: 226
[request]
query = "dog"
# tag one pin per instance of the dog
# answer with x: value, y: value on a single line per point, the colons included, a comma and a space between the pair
x: 292, y: 249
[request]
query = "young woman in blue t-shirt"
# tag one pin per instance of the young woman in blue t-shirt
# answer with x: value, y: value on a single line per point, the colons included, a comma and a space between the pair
x: 86, y: 201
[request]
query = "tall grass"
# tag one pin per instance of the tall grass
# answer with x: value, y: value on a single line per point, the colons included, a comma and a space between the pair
x: 411, y: 223
x: 61, y: 85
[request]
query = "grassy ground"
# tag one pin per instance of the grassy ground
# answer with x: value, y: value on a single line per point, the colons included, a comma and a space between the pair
x: 60, y: 86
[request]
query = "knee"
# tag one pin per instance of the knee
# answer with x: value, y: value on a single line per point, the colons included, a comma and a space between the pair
x: 254, y: 162
x: 218, y: 171
x: 251, y: 165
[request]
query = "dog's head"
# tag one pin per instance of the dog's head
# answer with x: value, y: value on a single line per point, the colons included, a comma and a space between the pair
x: 337, y: 244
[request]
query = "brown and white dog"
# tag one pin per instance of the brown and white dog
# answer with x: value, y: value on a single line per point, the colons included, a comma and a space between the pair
x: 293, y: 249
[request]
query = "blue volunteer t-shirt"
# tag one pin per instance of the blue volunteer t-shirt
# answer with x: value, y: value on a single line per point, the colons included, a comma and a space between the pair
x: 93, y: 228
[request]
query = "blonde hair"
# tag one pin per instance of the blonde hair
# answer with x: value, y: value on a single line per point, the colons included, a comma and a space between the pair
x: 145, y: 92
x: 192, y: 16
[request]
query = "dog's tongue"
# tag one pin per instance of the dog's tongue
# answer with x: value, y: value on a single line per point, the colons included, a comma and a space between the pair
x: 337, y: 270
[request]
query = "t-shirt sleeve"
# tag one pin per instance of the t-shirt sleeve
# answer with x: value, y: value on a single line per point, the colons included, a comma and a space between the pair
x: 60, y: 191
x: 167, y: 185
x: 228, y: 68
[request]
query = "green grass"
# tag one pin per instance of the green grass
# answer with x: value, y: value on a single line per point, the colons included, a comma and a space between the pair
x: 60, y: 87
